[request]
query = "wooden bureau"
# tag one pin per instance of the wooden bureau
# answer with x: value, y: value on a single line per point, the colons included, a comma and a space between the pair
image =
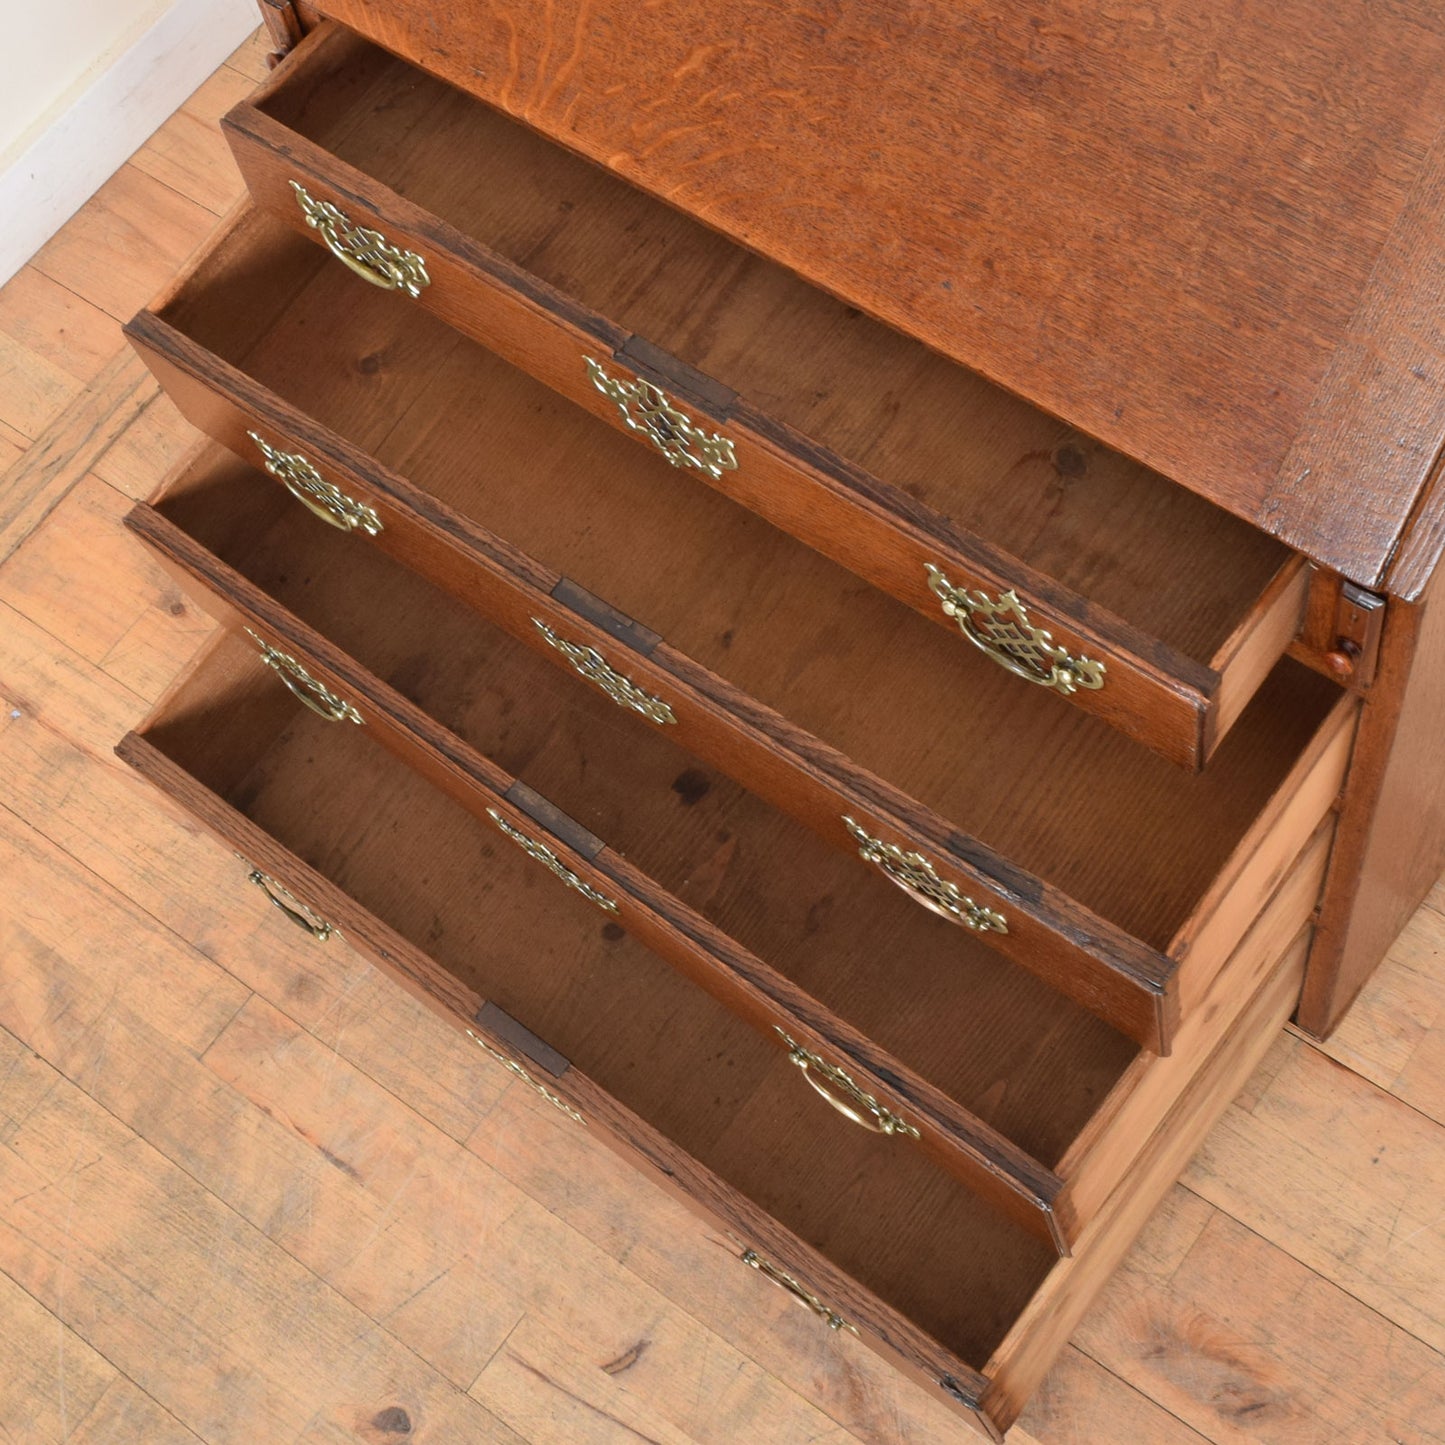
x: 879, y: 551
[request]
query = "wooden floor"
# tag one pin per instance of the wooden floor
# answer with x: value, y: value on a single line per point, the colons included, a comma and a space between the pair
x: 249, y: 1192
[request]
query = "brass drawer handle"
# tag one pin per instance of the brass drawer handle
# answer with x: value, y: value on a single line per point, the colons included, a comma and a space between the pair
x: 549, y: 860
x: 295, y: 909
x: 851, y: 1101
x: 648, y: 410
x: 305, y: 688
x: 512, y: 1066
x: 314, y: 492
x: 364, y: 251
x: 589, y: 663
x: 1000, y: 627
x: 914, y: 874
x: 809, y: 1302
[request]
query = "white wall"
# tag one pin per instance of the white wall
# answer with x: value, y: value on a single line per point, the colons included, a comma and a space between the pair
x: 83, y: 83
x: 53, y: 51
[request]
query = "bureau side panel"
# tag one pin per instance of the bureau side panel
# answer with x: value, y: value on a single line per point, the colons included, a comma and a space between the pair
x: 1391, y: 845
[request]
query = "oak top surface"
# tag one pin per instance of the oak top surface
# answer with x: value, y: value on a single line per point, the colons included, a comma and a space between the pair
x: 1209, y: 234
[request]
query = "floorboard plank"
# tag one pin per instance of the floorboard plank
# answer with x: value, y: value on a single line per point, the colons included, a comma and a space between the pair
x: 1343, y: 1177
x: 52, y: 1380
x: 34, y: 485
x: 126, y: 1414
x: 251, y: 57
x: 250, y: 1191
x: 90, y: 1213
x: 539, y: 1386
x: 54, y: 323
x: 1245, y: 1343
x: 70, y: 571
x: 1394, y: 1035
x: 148, y: 448
x: 33, y: 390
x: 189, y: 154
x: 125, y: 243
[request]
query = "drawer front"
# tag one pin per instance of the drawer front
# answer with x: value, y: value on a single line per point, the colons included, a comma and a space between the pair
x: 1291, y: 886
x: 851, y: 1312
x: 1122, y: 1128
x: 1074, y: 950
x: 1143, y: 991
x: 844, y: 1068
x: 1031, y: 624
x: 989, y: 1398
x: 1017, y: 1368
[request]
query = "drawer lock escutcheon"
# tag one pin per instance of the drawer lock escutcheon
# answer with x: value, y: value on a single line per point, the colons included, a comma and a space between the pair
x: 305, y: 688
x: 1000, y: 627
x: 838, y: 1088
x: 294, y: 909
x: 914, y: 874
x: 314, y: 492
x: 550, y: 861
x: 648, y: 410
x: 587, y: 662
x: 362, y: 250
x: 809, y: 1302
x: 541, y: 1090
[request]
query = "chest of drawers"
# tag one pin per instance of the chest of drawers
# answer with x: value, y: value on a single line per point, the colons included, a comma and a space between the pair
x: 723, y: 672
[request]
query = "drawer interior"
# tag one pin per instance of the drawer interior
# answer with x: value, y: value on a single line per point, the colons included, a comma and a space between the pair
x: 1024, y: 1059
x: 1060, y: 793
x: 1176, y: 567
x: 463, y: 895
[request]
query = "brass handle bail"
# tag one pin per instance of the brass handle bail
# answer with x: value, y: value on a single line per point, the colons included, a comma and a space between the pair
x: 366, y: 252
x: 314, y: 492
x: 1000, y: 627
x: 852, y: 1101
x: 295, y: 910
x: 588, y: 663
x: 785, y: 1281
x: 915, y: 875
x: 551, y: 862
x: 649, y: 411
x: 541, y: 1090
x: 302, y: 686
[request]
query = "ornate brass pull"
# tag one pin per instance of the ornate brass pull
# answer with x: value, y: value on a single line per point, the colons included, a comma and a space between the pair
x: 1001, y: 628
x: 589, y: 663
x: 914, y: 874
x: 305, y: 688
x: 851, y: 1101
x: 646, y: 409
x: 295, y: 910
x: 549, y: 860
x: 314, y: 492
x: 809, y: 1302
x: 364, y: 251
x: 512, y: 1066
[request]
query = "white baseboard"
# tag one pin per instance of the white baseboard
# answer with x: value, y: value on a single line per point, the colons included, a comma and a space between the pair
x: 110, y: 119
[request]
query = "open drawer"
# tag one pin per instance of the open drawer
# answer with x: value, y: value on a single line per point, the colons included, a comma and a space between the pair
x: 1036, y: 1104
x: 1122, y: 880
x: 345, y: 836
x: 1067, y: 564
